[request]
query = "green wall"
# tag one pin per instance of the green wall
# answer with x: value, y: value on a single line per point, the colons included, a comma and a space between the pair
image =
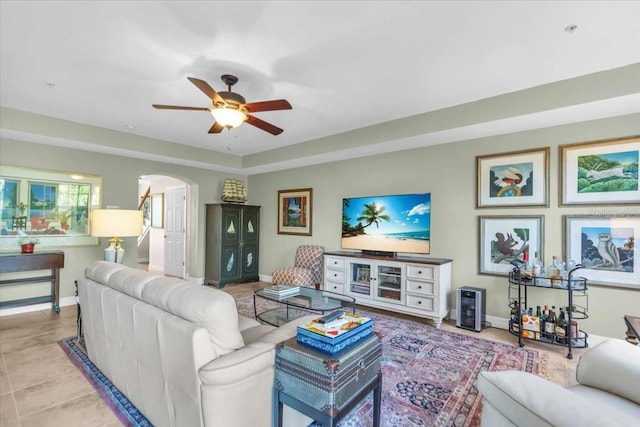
x: 120, y: 188
x: 448, y: 172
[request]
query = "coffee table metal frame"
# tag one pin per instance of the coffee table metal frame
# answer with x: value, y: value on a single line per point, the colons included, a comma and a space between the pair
x: 307, y: 300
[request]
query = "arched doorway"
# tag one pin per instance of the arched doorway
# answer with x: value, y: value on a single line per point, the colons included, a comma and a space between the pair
x: 163, y: 245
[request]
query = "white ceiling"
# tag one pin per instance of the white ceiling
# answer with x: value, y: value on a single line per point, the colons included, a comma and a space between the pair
x: 342, y: 65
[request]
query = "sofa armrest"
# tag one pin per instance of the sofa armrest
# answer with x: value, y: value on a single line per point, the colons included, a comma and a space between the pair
x: 612, y: 366
x: 233, y: 367
x: 528, y: 400
x: 250, y: 359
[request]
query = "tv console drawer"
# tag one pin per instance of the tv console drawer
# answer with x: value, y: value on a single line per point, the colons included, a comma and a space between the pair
x: 334, y: 287
x: 419, y: 287
x: 420, y: 272
x: 335, y: 276
x: 423, y: 303
x: 332, y: 262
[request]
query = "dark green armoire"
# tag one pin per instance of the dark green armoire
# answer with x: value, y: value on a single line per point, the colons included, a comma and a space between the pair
x: 232, y: 244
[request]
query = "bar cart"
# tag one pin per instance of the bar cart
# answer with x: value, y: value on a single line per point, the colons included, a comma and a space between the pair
x: 575, y: 287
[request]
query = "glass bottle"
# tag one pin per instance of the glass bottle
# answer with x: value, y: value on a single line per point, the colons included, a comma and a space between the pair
x: 562, y: 328
x: 555, y: 271
x: 537, y: 266
x: 571, y: 264
x: 515, y: 311
x: 539, y: 320
x: 550, y: 324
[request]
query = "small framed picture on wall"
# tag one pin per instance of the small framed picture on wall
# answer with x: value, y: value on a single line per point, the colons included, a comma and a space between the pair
x: 294, y: 211
x: 505, y: 240
x: 605, y: 246
x: 515, y: 179
x: 600, y: 172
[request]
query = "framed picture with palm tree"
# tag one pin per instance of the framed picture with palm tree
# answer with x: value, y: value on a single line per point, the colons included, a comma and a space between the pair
x: 294, y: 211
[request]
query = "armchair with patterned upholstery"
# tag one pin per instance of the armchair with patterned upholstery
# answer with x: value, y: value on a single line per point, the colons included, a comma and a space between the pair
x: 306, y: 270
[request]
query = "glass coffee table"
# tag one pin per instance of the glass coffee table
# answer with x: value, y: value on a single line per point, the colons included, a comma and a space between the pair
x: 279, y: 311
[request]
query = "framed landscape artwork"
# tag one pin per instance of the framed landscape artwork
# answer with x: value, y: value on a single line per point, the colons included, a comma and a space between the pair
x: 606, y: 247
x: 600, y: 172
x: 52, y: 207
x: 504, y: 240
x: 519, y: 178
x: 294, y: 211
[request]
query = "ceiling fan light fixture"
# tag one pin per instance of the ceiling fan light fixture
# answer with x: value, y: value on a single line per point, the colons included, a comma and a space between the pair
x: 228, y: 117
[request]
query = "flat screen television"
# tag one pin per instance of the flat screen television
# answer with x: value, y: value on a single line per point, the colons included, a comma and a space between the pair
x: 386, y: 225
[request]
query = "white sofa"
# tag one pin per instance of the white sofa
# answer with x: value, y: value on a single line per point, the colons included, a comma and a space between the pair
x: 607, y: 392
x: 180, y: 352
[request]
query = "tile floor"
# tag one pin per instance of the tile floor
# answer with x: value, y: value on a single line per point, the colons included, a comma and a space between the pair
x: 39, y: 386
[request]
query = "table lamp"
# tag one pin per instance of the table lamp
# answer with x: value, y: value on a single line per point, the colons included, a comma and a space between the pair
x: 115, y: 223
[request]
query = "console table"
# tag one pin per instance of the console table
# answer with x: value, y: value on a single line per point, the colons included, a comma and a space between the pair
x: 14, y: 262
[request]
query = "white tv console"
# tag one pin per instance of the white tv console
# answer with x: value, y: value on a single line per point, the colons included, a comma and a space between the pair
x: 415, y: 286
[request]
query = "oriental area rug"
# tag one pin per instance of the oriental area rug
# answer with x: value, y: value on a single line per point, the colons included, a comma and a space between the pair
x: 429, y: 374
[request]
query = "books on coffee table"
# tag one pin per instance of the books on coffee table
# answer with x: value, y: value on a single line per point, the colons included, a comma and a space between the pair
x: 281, y: 291
x: 337, y: 335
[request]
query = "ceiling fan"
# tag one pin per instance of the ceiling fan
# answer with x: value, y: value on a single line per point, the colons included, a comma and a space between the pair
x: 230, y: 109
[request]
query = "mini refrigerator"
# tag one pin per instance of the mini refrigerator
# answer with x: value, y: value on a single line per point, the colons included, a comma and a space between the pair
x: 470, y: 308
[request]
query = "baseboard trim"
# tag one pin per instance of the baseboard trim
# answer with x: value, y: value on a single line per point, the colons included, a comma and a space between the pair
x: 65, y: 301
x: 494, y: 321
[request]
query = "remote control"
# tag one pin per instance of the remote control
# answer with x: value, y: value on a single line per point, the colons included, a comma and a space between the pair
x: 331, y: 316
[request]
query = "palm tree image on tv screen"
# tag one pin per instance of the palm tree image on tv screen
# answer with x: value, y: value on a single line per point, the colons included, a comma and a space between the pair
x: 390, y: 223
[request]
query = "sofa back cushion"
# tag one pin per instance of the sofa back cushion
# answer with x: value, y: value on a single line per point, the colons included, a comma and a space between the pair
x: 149, y: 354
x: 612, y: 366
x: 209, y: 308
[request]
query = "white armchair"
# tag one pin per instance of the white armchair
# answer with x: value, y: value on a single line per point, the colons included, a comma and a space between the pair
x: 607, y: 393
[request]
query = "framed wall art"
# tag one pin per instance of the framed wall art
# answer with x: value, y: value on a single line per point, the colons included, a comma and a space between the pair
x: 505, y: 240
x: 600, y: 172
x: 294, y: 211
x: 157, y: 210
x: 519, y: 178
x: 52, y: 207
x: 606, y: 248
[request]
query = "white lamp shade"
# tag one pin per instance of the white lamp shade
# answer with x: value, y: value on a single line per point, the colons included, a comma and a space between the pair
x: 116, y: 223
x: 228, y: 117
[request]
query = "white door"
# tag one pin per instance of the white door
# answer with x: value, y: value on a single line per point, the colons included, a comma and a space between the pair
x: 175, y: 231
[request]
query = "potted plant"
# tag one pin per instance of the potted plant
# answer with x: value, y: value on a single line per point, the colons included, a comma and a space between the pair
x: 27, y: 243
x: 21, y: 207
x: 64, y: 217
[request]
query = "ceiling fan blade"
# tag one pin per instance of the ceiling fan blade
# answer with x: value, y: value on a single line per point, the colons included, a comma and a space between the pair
x: 261, y: 124
x: 177, y: 107
x: 277, y: 104
x: 208, y: 90
x: 216, y: 128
